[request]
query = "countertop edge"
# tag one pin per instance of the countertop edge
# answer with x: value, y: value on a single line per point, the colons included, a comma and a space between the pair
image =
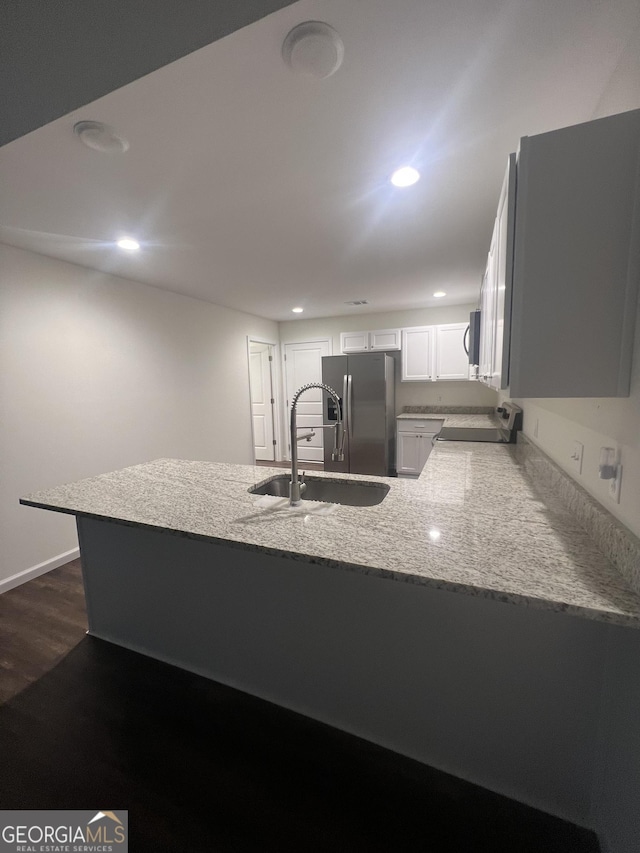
x: 485, y: 592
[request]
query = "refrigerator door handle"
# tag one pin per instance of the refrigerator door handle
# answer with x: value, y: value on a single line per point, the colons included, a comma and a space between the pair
x: 349, y: 401
x: 345, y: 391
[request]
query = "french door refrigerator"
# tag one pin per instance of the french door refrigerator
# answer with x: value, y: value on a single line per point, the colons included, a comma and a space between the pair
x: 365, y: 384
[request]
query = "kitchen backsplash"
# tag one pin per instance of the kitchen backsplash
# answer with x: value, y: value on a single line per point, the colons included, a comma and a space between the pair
x: 617, y: 542
x: 448, y: 410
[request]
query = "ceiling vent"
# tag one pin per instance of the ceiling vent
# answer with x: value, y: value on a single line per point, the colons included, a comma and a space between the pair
x: 357, y: 302
x: 314, y: 49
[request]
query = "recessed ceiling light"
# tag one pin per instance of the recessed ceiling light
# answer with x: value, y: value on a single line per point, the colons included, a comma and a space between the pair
x: 313, y: 48
x: 405, y: 176
x: 297, y: 310
x: 128, y: 244
x: 100, y: 137
x: 439, y: 294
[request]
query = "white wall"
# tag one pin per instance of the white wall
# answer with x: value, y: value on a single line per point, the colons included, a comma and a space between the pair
x: 407, y: 393
x: 97, y: 373
x: 554, y: 424
x: 600, y: 422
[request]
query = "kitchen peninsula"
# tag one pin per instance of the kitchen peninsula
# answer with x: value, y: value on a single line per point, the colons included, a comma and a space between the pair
x: 467, y: 621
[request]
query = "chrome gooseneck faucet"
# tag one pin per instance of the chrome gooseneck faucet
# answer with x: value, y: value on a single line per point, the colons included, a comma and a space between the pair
x: 296, y: 486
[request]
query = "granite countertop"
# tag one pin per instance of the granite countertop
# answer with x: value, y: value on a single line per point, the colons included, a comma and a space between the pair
x: 471, y: 523
x: 454, y: 420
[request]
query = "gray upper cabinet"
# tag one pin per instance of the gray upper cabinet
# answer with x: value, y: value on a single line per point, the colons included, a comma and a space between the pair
x: 574, y: 263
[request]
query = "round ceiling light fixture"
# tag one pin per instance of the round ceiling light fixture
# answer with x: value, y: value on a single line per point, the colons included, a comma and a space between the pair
x: 100, y: 137
x: 297, y: 310
x: 405, y: 176
x: 128, y: 244
x: 439, y: 294
x: 314, y: 49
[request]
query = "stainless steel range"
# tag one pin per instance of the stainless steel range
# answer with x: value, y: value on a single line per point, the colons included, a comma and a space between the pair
x: 510, y: 422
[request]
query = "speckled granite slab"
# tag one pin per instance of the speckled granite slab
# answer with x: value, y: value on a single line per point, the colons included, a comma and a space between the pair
x: 472, y: 523
x: 476, y: 419
x: 615, y: 541
x: 448, y: 410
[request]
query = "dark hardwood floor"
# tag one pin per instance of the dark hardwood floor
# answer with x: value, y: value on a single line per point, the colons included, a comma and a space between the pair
x: 203, y: 767
x: 40, y: 622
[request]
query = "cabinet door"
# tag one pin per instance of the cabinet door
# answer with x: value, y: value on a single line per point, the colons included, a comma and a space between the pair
x: 452, y: 362
x: 488, y: 315
x: 409, y: 453
x: 417, y: 354
x: 354, y: 341
x: 384, y: 340
x: 503, y: 272
x: 575, y: 275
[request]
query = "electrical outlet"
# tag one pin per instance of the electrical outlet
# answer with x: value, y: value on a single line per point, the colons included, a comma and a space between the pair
x: 577, y: 450
x: 615, y: 485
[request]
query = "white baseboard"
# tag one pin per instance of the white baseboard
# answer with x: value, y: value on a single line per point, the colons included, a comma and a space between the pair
x: 40, y: 569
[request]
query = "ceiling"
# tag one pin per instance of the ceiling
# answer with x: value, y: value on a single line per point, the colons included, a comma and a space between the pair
x: 260, y: 189
x: 62, y: 54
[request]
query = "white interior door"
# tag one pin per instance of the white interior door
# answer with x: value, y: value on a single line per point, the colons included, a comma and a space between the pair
x: 262, y: 400
x: 303, y: 365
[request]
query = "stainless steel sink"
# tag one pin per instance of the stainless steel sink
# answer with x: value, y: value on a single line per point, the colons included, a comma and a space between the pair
x: 348, y: 492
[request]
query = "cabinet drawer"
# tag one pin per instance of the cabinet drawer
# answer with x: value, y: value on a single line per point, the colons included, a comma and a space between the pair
x: 426, y: 426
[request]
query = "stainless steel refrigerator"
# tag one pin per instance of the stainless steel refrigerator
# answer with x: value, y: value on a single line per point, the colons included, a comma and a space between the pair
x: 365, y: 384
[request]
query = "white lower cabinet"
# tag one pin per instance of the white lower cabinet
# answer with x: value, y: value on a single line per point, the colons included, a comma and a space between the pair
x: 414, y: 441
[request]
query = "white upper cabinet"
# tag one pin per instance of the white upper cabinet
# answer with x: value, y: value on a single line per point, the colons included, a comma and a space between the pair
x: 384, y: 340
x: 452, y: 360
x: 495, y: 293
x: 381, y: 340
x: 354, y: 342
x: 434, y: 353
x: 503, y: 277
x: 417, y: 354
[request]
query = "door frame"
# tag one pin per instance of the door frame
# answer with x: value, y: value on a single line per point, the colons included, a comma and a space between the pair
x: 276, y: 390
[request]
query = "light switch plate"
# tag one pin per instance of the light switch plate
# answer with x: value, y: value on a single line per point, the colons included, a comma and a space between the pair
x: 577, y: 450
